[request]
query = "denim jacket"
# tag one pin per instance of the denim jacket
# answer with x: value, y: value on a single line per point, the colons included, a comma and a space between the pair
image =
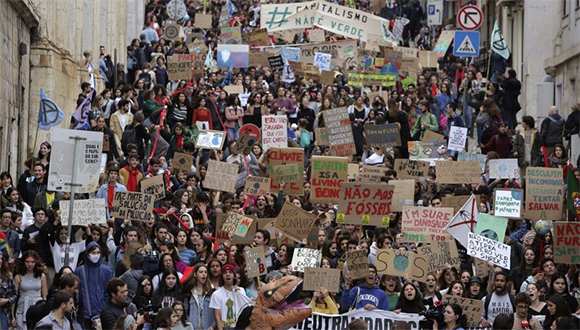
x: 194, y: 312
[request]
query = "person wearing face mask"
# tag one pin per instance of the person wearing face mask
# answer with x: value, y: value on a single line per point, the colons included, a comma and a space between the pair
x: 94, y: 277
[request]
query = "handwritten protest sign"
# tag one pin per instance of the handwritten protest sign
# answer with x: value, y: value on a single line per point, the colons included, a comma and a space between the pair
x: 257, y: 185
x: 383, y: 136
x: 285, y: 156
x: 439, y: 254
x: 274, y: 132
x: 508, y: 203
x: 231, y: 35
x: 132, y: 206
x: 403, y: 195
x: 285, y: 173
x: 249, y: 237
x: 257, y: 38
x: 411, y: 169
x: 327, y: 173
x: 316, y: 35
x: 456, y: 202
x: 463, y: 156
x: 410, y: 67
x: 221, y: 235
x: 487, y: 249
x: 183, y: 66
x: 339, y: 131
x: 457, y: 172
x: 352, y: 171
x: 321, y: 137
x: 294, y: 222
x: 402, y: 263
x: 567, y: 242
x: 372, y: 174
x: 457, y: 138
x: 491, y: 227
x: 544, y: 193
x: 276, y: 63
x: 182, y: 162
x: 444, y: 42
x: 472, y: 308
x: 504, y: 168
x: 322, y: 61
x: 86, y: 211
x: 481, y: 267
x: 153, y: 186
x: 365, y: 203
x: 315, y: 278
x: 236, y: 224
x: 203, y: 21
x: 428, y: 59
x: 422, y: 224
x: 358, y: 263
x: 221, y: 176
x: 432, y: 136
x: 256, y: 262
x: 304, y: 257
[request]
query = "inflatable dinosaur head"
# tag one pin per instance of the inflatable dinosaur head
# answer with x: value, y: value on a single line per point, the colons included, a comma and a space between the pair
x: 278, y: 304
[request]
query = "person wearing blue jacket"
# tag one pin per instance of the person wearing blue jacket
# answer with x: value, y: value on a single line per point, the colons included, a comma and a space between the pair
x: 367, y: 295
x: 94, y: 277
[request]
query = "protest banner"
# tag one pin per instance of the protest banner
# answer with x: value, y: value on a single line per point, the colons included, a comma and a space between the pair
x: 221, y: 176
x: 463, y: 156
x: 372, y: 174
x: 182, y: 162
x: 231, y: 35
x: 352, y: 171
x: 153, y: 186
x: 285, y: 156
x: 456, y: 202
x: 440, y: 254
x: 257, y: 185
x: 402, y: 263
x: 339, y: 131
x: 492, y: 227
x: 132, y: 206
x: 508, y: 203
x: 411, y: 169
x: 274, y: 132
x: 284, y: 173
x: 432, y: 136
x: 375, y: 319
x: 383, y: 136
x: 472, y: 308
x: 316, y: 35
x: 544, y: 193
x: 358, y: 264
x: 304, y: 257
x: 365, y: 203
x: 210, y: 139
x: 505, y: 168
x: 428, y: 59
x: 327, y: 173
x: 294, y: 222
x: 257, y: 38
x: 256, y: 262
x: 85, y: 212
x: 487, y: 249
x: 457, y: 138
x: 233, y: 56
x: 444, y: 42
x: 421, y: 224
x: 567, y: 242
x: 361, y: 80
x: 457, y: 172
x: 321, y: 137
x: 315, y: 278
x: 403, y: 195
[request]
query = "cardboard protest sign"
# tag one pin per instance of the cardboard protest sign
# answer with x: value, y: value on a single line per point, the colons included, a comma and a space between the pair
x: 456, y: 202
x: 321, y: 137
x: 505, y: 168
x: 316, y: 35
x: 481, y: 267
x: 372, y: 174
x: 221, y: 235
x: 221, y: 176
x: 294, y: 222
x: 237, y: 225
x: 287, y: 173
x: 248, y: 136
x: 153, y: 186
x: 231, y: 35
x: 428, y: 59
x: 315, y: 278
x: 358, y: 264
x: 463, y: 156
x: 402, y: 263
x: 432, y: 136
x: 132, y: 206
x: 260, y: 59
x: 256, y: 262
x: 257, y: 185
x: 384, y: 80
x: 383, y: 136
x: 428, y: 150
x: 327, y: 77
x: 508, y: 203
x: 274, y: 131
x: 423, y: 224
x: 339, y: 131
x: 457, y: 172
x: 457, y: 138
x: 203, y: 21
x: 85, y: 212
x: 304, y: 257
x: 411, y: 169
x: 472, y: 308
x: 327, y: 173
x: 544, y: 193
x: 250, y: 233
x: 352, y: 171
x: 179, y: 66
x: 407, y: 52
x: 210, y: 139
x: 491, y: 226
x: 403, y: 195
x: 444, y: 42
x: 257, y: 38
x: 410, y: 67
x: 233, y: 56
x: 234, y: 89
x: 224, y: 20
x: 567, y: 242
x: 285, y: 156
x: 487, y: 249
x: 439, y: 254
x: 365, y: 203
x: 182, y: 161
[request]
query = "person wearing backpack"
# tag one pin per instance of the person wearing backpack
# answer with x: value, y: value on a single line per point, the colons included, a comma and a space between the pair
x: 500, y: 143
x: 137, y: 134
x: 147, y: 75
x: 303, y: 134
x: 426, y: 121
x: 498, y: 302
x: 489, y: 118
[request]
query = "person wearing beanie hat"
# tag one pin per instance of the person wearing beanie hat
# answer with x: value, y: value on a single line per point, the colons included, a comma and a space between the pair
x: 228, y: 301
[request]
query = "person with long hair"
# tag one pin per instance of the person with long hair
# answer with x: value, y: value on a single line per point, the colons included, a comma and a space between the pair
x: 166, y: 318
x: 166, y: 261
x: 186, y: 254
x: 58, y: 245
x: 527, y: 265
x: 96, y: 235
x: 559, y: 286
x: 182, y: 323
x: 447, y: 276
x: 394, y: 115
x: 409, y: 300
x: 285, y: 254
x: 18, y: 205
x: 475, y: 288
x: 234, y: 116
x: 559, y: 157
x: 215, y: 271
x: 488, y: 118
x: 144, y: 293
x: 168, y: 291
x: 7, y: 292
x: 322, y: 302
x: 453, y: 317
x: 426, y: 121
x: 557, y: 308
x: 197, y: 291
x: 456, y: 288
x: 178, y: 138
x: 255, y: 110
x: 222, y: 255
x: 125, y: 263
x: 537, y: 307
x: 202, y: 117
x: 43, y: 155
x: 31, y: 284
x: 203, y: 250
x: 392, y: 286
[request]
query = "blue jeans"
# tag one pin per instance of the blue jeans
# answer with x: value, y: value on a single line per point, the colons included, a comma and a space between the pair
x: 4, y: 319
x: 233, y: 132
x: 468, y: 117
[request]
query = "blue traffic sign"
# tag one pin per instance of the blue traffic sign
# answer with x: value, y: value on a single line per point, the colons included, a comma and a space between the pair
x: 466, y: 43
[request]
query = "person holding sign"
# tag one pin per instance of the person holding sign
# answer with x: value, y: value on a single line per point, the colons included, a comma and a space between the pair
x: 322, y: 302
x: 367, y: 295
x: 107, y: 191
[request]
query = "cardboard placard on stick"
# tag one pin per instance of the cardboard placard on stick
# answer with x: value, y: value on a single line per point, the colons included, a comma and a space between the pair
x: 327, y: 173
x: 457, y: 172
x: 472, y: 308
x: 544, y: 193
x: 315, y: 278
x: 421, y: 224
x: 86, y: 211
x: 402, y: 263
x: 358, y: 264
x: 132, y: 206
x: 257, y: 185
x: 221, y: 176
x: 567, y: 242
x: 153, y: 186
x: 294, y: 222
x: 256, y: 262
x: 365, y: 203
x: 182, y: 161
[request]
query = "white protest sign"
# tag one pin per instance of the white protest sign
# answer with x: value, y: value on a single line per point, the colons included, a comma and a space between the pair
x: 322, y: 60
x: 508, y: 203
x: 86, y: 211
x: 274, y: 132
x: 290, y: 54
x: 504, y: 168
x: 457, y: 138
x: 304, y: 257
x: 88, y: 154
x: 487, y: 249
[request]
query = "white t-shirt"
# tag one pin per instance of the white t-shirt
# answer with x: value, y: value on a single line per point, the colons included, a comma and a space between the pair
x: 230, y: 304
x: 58, y: 252
x: 497, y: 305
x: 123, y: 118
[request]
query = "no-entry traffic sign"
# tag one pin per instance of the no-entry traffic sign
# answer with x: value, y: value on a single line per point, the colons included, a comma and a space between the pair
x: 469, y: 17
